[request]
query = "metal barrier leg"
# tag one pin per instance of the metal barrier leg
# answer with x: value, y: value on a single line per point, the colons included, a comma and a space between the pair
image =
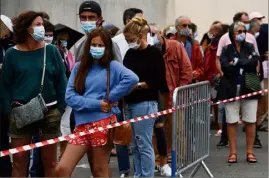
x: 207, y: 170
x: 197, y: 167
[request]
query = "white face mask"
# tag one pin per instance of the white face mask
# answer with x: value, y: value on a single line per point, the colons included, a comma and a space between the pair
x: 257, y: 34
x: 48, y: 39
x: 134, y: 45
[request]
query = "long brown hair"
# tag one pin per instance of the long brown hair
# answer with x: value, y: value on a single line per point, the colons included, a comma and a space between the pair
x: 87, y: 59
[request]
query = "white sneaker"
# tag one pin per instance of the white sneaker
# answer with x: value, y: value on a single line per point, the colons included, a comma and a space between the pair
x: 166, y: 171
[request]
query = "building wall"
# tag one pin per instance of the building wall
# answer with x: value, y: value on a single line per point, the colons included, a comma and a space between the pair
x: 65, y: 11
x: 204, y: 12
x: 163, y: 12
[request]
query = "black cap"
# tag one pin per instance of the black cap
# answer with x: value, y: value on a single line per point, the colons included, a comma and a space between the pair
x: 90, y: 6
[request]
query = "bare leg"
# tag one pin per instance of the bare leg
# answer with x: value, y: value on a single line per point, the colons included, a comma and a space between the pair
x: 232, y: 136
x: 20, y: 160
x: 70, y: 159
x: 250, y: 136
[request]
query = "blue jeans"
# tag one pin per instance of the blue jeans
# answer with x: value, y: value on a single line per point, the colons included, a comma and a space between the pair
x: 143, y: 152
x: 122, y: 151
x: 123, y: 159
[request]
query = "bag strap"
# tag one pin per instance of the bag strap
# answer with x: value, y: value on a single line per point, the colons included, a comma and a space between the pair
x: 44, y: 69
x: 107, y: 83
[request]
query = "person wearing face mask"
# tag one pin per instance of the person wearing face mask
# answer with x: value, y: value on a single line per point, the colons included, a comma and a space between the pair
x: 147, y: 62
x: 62, y: 45
x: 21, y: 79
x: 192, y: 47
x: 178, y: 73
x: 208, y: 36
x: 211, y: 69
x: 256, y: 16
x: 49, y: 32
x: 5, y: 43
x: 239, y: 61
x: 254, y: 28
x: 120, y: 39
x: 225, y: 40
x: 169, y: 32
x: 95, y: 104
x: 90, y: 15
x: 69, y: 61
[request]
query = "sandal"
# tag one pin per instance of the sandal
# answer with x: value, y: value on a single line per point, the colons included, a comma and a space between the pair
x: 232, y: 158
x: 251, y: 158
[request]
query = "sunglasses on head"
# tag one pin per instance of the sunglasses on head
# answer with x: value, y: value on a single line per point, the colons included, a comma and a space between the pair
x: 241, y: 31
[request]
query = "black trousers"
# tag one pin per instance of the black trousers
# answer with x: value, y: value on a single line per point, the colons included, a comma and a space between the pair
x: 5, y: 163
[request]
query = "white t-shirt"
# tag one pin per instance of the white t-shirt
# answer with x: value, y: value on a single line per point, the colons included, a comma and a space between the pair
x: 123, y: 45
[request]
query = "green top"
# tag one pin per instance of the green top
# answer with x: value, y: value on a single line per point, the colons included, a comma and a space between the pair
x: 22, y: 73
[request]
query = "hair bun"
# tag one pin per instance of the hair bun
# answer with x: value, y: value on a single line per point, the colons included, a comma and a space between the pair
x: 140, y: 21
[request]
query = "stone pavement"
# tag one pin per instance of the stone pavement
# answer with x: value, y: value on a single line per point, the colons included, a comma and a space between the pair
x: 217, y: 162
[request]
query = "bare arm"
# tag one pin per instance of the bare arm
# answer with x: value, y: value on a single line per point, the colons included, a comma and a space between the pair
x: 219, y: 67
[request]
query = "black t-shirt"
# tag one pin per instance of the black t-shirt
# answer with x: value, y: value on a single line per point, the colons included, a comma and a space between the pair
x: 148, y: 65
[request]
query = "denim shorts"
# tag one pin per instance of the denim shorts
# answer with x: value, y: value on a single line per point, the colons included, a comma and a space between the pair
x: 48, y: 128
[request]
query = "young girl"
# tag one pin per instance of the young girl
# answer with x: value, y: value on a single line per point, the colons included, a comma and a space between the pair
x: 86, y: 95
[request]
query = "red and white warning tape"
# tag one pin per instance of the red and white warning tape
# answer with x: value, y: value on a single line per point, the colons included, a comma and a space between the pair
x: 150, y: 116
x: 241, y: 97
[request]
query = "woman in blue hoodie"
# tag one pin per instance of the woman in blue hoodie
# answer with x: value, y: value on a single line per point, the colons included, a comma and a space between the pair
x: 86, y: 95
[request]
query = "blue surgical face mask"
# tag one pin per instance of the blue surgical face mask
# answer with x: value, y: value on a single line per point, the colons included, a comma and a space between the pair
x: 156, y: 41
x: 39, y: 33
x: 184, y: 32
x: 88, y: 26
x: 247, y: 26
x: 240, y: 37
x: 64, y: 42
x: 97, y: 52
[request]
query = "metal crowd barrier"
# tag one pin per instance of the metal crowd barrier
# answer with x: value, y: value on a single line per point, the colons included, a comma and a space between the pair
x: 191, y: 128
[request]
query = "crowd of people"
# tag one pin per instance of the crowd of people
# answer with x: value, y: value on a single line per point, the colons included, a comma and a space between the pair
x: 118, y: 74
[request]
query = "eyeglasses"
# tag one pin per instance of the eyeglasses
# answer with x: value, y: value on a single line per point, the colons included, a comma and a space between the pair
x: 185, y: 25
x: 241, y: 31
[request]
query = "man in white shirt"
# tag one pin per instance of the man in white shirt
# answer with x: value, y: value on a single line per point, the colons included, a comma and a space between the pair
x: 120, y: 39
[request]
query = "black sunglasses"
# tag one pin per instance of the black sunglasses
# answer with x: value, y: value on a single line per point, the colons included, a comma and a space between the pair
x: 241, y: 31
x: 185, y: 25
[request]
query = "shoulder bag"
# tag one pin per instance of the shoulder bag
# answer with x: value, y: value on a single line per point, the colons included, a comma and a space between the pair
x: 35, y: 109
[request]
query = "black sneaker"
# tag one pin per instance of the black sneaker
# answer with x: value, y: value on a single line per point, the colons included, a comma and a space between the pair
x: 257, y: 143
x: 222, y: 143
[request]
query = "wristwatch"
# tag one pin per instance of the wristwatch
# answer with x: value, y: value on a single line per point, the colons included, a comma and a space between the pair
x: 139, y: 86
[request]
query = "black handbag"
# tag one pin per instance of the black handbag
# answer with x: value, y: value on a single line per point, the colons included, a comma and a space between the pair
x: 35, y: 109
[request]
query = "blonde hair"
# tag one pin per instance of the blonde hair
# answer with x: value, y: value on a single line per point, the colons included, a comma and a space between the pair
x: 238, y: 24
x: 137, y: 26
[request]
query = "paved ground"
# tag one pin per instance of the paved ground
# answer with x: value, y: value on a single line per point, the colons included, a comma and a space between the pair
x: 217, y: 162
